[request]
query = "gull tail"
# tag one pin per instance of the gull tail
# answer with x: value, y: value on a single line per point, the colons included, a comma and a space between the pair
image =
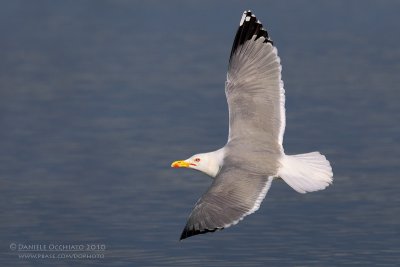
x: 306, y: 172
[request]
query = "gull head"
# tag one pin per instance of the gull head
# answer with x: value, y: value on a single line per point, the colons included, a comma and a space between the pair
x: 207, y: 163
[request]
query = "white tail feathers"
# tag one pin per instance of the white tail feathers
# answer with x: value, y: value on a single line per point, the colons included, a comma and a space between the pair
x: 306, y: 172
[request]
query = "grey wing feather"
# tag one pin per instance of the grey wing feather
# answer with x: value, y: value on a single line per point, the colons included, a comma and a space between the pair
x: 254, y: 88
x: 233, y: 195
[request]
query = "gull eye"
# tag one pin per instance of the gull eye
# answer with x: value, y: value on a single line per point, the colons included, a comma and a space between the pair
x: 197, y: 159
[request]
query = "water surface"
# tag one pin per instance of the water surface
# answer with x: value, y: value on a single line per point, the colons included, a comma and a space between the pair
x: 98, y: 97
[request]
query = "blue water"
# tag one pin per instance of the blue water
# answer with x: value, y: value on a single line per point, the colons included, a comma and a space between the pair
x: 97, y: 98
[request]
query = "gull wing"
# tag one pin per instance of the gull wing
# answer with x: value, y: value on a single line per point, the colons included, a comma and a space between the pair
x: 254, y: 89
x: 233, y: 195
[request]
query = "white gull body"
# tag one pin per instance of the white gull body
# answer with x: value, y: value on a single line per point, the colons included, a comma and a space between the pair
x: 253, y: 157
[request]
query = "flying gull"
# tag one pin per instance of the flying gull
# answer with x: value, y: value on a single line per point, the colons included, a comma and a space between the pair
x: 253, y: 157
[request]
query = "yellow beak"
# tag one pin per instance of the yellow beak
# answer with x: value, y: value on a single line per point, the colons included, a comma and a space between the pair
x: 180, y: 164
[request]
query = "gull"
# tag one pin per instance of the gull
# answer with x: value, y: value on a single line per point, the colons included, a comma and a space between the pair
x: 253, y: 156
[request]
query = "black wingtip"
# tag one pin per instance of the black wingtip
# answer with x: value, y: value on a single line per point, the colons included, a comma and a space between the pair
x: 188, y: 232
x: 249, y: 26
